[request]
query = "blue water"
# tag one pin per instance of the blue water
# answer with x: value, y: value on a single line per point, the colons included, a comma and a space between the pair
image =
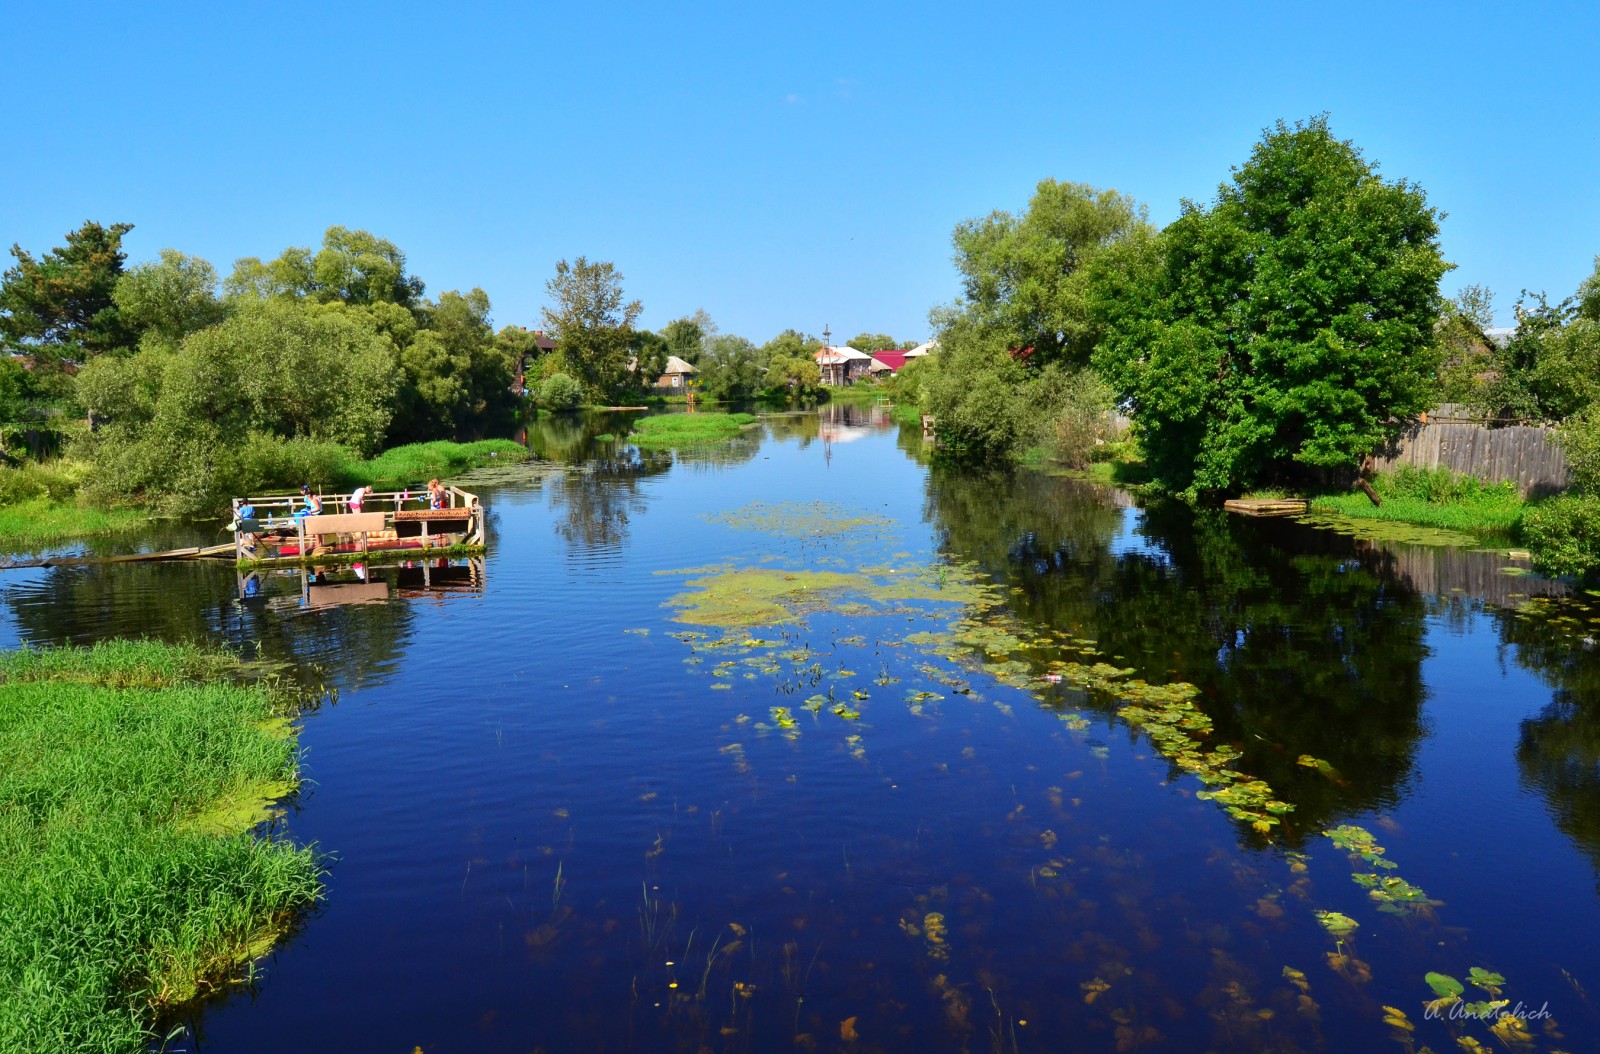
x: 548, y: 831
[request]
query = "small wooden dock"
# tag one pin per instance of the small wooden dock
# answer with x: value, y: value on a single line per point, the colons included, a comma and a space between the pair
x: 1267, y: 506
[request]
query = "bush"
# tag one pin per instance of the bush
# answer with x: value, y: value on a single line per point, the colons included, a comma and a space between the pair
x: 56, y: 480
x: 560, y: 393
x: 1564, y: 535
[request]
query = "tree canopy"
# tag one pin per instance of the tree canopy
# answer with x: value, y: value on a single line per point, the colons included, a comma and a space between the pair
x: 592, y: 324
x: 1290, y: 324
x: 60, y: 306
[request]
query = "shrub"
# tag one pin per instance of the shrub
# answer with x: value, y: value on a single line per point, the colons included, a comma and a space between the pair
x: 560, y: 393
x: 56, y: 480
x: 1564, y: 535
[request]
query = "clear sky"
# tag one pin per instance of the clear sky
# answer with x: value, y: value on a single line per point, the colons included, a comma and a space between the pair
x: 775, y: 164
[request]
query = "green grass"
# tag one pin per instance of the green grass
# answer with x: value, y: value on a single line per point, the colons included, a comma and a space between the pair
x: 1434, y: 498
x: 42, y: 521
x: 419, y: 462
x: 671, y: 430
x: 130, y: 776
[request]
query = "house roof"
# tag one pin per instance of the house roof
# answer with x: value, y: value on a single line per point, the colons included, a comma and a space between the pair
x: 839, y: 354
x: 677, y: 365
x: 890, y: 359
x: 922, y: 349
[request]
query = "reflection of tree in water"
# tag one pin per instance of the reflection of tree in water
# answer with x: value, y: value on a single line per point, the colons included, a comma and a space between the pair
x: 198, y: 603
x: 1558, y: 751
x: 1294, y: 651
x: 571, y: 437
x: 600, y: 497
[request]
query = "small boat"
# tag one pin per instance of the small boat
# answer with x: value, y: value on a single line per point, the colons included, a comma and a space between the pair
x: 281, y: 528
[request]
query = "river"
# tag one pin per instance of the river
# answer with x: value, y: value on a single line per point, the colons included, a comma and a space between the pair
x: 802, y: 743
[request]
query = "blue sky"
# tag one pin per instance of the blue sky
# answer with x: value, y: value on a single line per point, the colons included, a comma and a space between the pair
x: 775, y: 164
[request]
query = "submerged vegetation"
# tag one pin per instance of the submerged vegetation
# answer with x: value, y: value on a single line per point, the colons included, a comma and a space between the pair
x: 131, y: 777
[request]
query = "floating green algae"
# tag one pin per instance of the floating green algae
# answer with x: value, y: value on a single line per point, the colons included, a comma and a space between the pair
x: 798, y: 519
x: 1390, y: 531
x: 771, y: 596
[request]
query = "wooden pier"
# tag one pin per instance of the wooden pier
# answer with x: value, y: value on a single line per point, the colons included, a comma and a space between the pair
x: 280, y: 529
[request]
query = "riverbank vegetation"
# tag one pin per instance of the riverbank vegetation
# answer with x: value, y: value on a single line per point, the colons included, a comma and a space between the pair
x: 1436, y: 498
x: 676, y: 430
x: 130, y: 884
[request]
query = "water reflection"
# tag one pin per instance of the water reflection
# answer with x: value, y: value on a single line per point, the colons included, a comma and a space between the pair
x: 1304, y: 650
x: 598, y: 500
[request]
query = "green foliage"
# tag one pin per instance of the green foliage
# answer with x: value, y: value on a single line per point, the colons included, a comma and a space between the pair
x: 171, y: 422
x: 60, y: 306
x: 871, y: 342
x: 1435, y: 498
x: 458, y: 377
x: 592, y: 324
x: 418, y: 462
x: 1466, y: 355
x: 1289, y: 324
x: 1563, y: 533
x: 1081, y: 427
x: 684, y: 339
x: 353, y: 267
x: 560, y: 393
x: 731, y: 367
x: 1546, y: 370
x: 649, y: 353
x: 168, y: 300
x: 1579, y: 440
x: 675, y: 430
x: 116, y: 901
x: 1026, y: 277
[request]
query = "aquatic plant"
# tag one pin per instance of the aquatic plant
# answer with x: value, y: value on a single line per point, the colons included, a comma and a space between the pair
x: 129, y: 881
x: 676, y: 430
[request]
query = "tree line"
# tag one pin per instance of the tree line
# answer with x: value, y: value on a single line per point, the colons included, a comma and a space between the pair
x: 172, y: 386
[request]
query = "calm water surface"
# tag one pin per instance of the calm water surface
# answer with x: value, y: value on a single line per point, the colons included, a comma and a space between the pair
x: 555, y: 826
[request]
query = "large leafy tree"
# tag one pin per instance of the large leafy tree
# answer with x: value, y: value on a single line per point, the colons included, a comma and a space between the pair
x: 355, y: 267
x: 684, y: 339
x: 1289, y: 325
x: 1026, y: 276
x: 457, y: 377
x: 60, y: 305
x: 170, y: 298
x: 592, y: 323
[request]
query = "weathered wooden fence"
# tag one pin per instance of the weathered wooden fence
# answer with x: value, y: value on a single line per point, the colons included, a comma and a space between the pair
x: 1523, y: 454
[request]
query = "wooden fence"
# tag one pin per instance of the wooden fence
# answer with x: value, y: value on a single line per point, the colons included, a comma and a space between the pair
x: 1523, y: 454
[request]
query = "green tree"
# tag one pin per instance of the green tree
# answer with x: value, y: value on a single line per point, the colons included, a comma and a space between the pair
x: 1026, y: 277
x: 355, y: 267
x: 1466, y: 353
x: 731, y: 367
x: 871, y: 342
x: 457, y: 378
x: 171, y: 298
x: 592, y: 324
x: 649, y: 352
x: 60, y: 306
x: 1290, y: 324
x: 1589, y: 295
x: 684, y: 339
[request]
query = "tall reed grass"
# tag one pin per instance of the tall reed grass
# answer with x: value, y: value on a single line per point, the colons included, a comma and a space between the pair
x: 116, y: 905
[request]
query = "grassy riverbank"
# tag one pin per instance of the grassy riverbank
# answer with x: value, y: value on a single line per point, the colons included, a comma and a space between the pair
x: 672, y: 430
x: 420, y: 462
x: 130, y: 777
x: 1437, y: 498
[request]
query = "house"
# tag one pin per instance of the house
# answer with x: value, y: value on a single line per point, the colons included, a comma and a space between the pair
x: 922, y: 349
x: 843, y: 365
x: 677, y: 374
x: 890, y: 362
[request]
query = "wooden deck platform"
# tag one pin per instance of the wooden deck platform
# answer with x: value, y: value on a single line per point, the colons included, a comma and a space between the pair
x: 1267, y: 506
